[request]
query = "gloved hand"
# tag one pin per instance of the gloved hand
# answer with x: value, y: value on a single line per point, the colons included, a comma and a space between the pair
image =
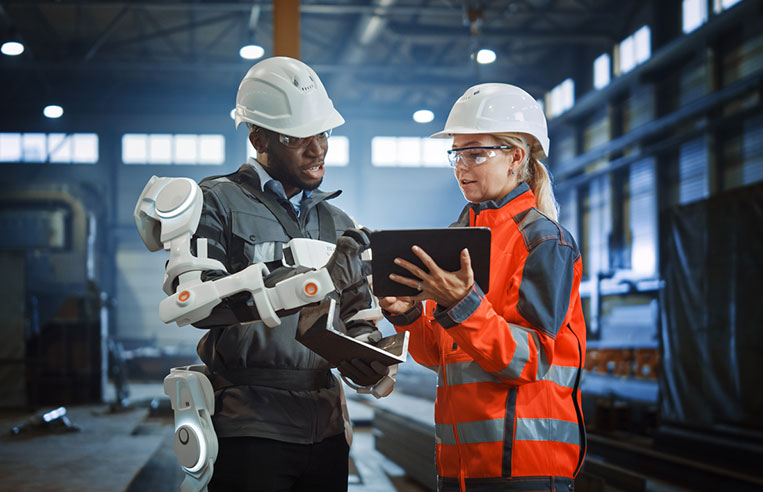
x: 361, y: 372
x: 363, y: 331
x: 345, y: 266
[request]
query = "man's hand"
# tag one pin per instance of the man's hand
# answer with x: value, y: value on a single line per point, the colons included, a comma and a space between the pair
x: 361, y: 372
x: 345, y: 266
x: 364, y: 332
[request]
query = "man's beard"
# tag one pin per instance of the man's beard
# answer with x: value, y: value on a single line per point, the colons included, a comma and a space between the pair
x: 280, y: 172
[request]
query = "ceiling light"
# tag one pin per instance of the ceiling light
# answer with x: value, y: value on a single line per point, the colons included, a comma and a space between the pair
x: 251, y: 52
x: 12, y: 48
x: 423, y: 116
x: 53, y: 111
x: 485, y: 56
x: 233, y: 114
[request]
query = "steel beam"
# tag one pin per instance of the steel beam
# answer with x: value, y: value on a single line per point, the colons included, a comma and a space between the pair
x: 104, y: 36
x: 317, y: 9
x: 286, y: 28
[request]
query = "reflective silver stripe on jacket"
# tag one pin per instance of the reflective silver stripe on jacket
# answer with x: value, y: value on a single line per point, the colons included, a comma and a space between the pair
x: 471, y: 372
x: 562, y: 375
x: 464, y: 373
x: 521, y: 356
x: 266, y: 252
x: 547, y: 430
x: 550, y: 430
x: 471, y: 432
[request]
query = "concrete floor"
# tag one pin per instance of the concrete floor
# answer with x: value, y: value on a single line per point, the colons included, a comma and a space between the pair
x: 131, y: 451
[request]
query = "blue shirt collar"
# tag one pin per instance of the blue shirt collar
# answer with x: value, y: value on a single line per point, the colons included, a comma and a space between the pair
x: 275, y: 186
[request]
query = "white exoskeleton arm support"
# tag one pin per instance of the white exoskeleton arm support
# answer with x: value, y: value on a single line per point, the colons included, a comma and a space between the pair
x: 167, y: 215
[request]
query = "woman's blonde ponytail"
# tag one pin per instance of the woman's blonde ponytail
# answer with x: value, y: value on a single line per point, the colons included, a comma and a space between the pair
x: 534, y: 173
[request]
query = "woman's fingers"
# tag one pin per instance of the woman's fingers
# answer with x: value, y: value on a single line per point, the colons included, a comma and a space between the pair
x: 416, y: 271
x: 425, y: 258
x: 466, y: 266
x: 410, y: 282
x: 396, y: 305
x: 387, y: 302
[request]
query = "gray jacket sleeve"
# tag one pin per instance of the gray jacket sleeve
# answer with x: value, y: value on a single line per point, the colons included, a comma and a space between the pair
x: 214, y: 226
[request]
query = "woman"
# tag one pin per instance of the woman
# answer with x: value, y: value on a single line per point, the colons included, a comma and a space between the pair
x: 507, y: 415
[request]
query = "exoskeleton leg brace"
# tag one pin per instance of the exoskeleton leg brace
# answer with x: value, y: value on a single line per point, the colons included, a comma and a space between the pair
x: 195, y: 441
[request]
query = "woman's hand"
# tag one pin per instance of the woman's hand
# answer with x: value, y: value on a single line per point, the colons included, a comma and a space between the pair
x: 446, y: 288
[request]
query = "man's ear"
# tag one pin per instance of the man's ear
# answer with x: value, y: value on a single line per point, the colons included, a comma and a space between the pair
x: 259, y: 140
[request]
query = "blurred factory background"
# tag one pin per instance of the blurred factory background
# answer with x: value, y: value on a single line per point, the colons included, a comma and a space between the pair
x: 656, y: 128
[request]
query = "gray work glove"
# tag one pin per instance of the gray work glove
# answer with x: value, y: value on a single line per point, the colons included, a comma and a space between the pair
x: 361, y: 372
x: 363, y: 331
x: 345, y: 266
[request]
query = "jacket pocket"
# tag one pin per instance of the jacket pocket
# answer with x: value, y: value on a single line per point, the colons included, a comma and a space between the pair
x: 255, y: 238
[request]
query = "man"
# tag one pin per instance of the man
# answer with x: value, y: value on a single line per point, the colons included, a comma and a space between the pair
x: 278, y: 413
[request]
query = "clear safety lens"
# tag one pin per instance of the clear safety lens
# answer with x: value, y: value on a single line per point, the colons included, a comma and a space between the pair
x: 297, y: 142
x: 473, y: 156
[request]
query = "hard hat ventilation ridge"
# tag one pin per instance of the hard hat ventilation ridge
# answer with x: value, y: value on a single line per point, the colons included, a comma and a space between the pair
x: 304, y: 88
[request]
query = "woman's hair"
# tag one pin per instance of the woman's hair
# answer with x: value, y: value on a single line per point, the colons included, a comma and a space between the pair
x: 533, y: 172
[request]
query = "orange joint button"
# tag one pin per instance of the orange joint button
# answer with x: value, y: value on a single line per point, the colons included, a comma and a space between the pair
x: 183, y: 297
x: 311, y: 288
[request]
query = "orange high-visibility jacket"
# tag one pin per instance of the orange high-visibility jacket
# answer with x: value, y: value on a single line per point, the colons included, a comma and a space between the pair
x: 509, y: 361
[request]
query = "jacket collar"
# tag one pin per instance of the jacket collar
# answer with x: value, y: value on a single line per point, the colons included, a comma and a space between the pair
x: 249, y: 173
x: 516, y: 201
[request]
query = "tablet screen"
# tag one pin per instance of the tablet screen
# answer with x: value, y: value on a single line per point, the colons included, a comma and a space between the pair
x: 443, y: 245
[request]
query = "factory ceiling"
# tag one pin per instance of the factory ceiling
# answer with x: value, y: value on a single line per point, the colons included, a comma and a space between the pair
x: 373, y: 56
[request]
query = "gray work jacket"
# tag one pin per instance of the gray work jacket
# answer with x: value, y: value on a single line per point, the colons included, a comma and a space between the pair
x: 294, y: 398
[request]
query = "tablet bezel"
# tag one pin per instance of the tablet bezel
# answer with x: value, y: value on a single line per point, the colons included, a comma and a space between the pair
x: 444, y: 245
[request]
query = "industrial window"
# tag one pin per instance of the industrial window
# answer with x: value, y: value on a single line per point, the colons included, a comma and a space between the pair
x: 595, y: 226
x: 742, y: 154
x: 633, y: 50
x: 692, y: 171
x: 643, y: 217
x: 568, y: 210
x: 339, y: 151
x: 409, y: 152
x: 56, y: 148
x: 694, y: 14
x: 560, y: 98
x: 601, y: 71
x: 158, y: 148
x: 337, y: 156
x: 542, y: 104
x: 721, y: 5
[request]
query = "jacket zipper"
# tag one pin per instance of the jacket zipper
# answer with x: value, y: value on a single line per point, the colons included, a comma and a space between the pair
x: 578, y: 410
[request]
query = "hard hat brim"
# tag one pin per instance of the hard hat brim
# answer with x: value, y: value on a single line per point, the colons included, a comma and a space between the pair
x: 333, y: 120
x: 441, y: 134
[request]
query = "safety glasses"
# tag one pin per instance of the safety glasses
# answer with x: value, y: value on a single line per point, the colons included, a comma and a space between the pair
x: 300, y: 142
x: 474, y: 156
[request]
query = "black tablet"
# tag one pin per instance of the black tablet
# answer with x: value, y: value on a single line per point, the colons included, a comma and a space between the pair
x: 443, y: 245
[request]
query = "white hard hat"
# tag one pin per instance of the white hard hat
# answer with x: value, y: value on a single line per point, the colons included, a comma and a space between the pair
x: 498, y: 108
x: 286, y: 96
